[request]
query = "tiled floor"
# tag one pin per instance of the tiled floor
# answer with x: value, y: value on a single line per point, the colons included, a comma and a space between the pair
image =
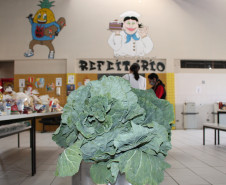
x: 191, y: 162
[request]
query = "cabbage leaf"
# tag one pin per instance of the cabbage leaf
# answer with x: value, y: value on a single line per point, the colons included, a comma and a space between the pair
x: 118, y: 129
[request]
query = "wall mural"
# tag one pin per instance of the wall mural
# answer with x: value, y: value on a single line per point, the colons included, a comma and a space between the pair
x: 44, y: 28
x: 129, y: 37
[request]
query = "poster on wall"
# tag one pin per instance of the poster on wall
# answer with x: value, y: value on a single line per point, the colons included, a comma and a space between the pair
x: 40, y: 82
x: 70, y: 88
x: 50, y: 87
x: 21, y: 82
x: 79, y: 84
x: 71, y: 79
x: 129, y: 36
x: 44, y: 28
x: 58, y: 82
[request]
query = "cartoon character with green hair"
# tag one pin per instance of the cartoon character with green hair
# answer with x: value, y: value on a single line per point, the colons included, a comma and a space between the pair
x: 44, y: 28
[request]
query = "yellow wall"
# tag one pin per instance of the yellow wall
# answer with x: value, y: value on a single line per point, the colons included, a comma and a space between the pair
x: 162, y: 76
x: 170, y: 90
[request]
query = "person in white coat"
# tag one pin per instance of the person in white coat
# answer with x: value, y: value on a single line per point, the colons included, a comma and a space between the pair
x: 136, y: 81
x: 133, y: 40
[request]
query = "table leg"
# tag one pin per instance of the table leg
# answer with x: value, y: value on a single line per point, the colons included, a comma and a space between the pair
x: 215, y: 136
x: 18, y: 139
x: 218, y: 136
x: 43, y: 127
x: 204, y: 135
x: 33, y: 148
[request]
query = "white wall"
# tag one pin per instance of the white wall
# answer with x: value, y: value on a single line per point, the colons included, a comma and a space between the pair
x: 204, y: 89
x: 180, y: 29
x: 41, y: 66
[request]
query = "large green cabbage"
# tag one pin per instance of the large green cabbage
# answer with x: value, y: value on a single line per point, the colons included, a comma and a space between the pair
x: 117, y: 128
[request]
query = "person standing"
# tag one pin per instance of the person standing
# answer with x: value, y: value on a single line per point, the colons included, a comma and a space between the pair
x: 136, y: 81
x: 157, y: 86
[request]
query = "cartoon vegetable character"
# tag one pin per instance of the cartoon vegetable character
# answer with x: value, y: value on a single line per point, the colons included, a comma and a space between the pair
x: 44, y: 28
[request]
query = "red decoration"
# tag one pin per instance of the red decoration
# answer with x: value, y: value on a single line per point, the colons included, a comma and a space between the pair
x: 30, y: 79
x: 39, y: 32
x: 5, y: 82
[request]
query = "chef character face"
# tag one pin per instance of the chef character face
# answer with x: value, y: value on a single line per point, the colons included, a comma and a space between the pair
x: 130, y: 25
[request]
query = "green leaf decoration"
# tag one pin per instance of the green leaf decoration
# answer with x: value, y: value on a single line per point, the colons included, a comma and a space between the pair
x: 137, y: 136
x: 102, y: 147
x: 159, y: 143
x: 114, y: 167
x: 101, y: 174
x: 118, y: 129
x: 158, y: 110
x: 46, y: 4
x: 141, y: 168
x: 69, y: 161
x: 64, y: 136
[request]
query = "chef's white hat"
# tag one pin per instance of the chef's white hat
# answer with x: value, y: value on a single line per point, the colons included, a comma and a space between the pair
x: 130, y: 14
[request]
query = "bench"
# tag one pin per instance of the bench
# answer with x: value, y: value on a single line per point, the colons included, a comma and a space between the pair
x: 217, y: 128
x: 14, y: 128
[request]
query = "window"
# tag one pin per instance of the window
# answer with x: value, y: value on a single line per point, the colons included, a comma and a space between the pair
x: 209, y: 64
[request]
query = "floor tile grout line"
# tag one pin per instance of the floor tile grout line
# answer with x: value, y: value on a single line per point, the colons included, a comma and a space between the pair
x: 53, y: 180
x: 173, y: 178
x: 199, y: 175
x: 196, y: 149
x: 178, y: 148
x: 191, y: 170
x: 189, y: 167
x: 23, y: 180
x: 197, y: 159
x: 201, y: 151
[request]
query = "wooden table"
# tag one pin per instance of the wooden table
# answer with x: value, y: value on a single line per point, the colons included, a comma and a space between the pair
x: 29, y: 117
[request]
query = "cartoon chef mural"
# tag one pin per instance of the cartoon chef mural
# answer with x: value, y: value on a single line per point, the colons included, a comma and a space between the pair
x: 44, y: 28
x: 129, y: 38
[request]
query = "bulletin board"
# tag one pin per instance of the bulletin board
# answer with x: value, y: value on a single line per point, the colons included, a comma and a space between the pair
x: 81, y: 77
x: 49, y: 79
